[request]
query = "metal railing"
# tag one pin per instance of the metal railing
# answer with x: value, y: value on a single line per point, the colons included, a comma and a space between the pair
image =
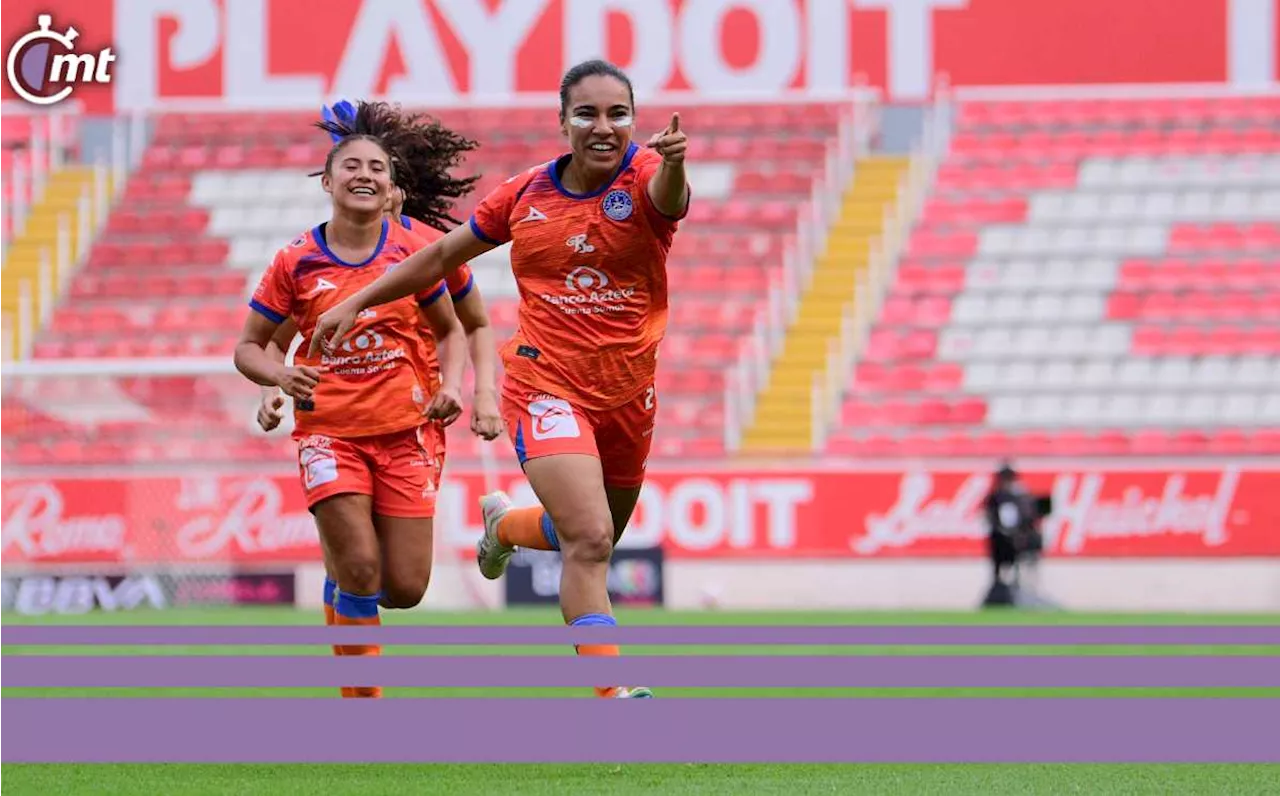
x: 748, y: 376
x: 858, y: 318
x: 47, y: 153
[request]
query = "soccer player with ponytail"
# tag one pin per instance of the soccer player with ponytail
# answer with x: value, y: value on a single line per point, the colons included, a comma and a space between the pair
x: 368, y: 414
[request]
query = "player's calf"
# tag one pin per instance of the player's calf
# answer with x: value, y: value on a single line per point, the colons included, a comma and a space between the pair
x: 355, y: 560
x: 585, y: 550
x: 358, y: 609
x: 584, y: 596
x: 406, y: 544
x: 359, y: 574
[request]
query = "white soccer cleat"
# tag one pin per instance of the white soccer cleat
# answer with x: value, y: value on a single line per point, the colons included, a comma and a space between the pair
x: 639, y: 692
x: 491, y: 555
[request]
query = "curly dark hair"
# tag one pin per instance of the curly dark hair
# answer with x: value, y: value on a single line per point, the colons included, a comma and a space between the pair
x: 422, y: 153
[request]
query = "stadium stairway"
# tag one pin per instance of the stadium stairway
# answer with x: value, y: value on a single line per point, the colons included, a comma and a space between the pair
x: 784, y: 415
x: 22, y: 261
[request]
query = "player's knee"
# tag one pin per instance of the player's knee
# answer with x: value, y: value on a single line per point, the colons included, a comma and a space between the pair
x: 358, y: 572
x: 403, y: 594
x: 588, y: 543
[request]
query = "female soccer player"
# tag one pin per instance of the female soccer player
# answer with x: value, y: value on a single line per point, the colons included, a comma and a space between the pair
x: 425, y: 210
x: 590, y: 232
x: 363, y: 409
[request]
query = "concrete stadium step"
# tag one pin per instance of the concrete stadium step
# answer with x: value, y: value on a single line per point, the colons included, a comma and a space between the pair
x: 783, y: 418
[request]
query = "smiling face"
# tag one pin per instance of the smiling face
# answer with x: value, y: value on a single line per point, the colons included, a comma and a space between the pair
x: 359, y: 177
x: 597, y: 118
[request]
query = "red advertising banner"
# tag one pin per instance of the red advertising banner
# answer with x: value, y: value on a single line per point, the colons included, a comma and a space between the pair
x: 1098, y: 512
x: 283, y: 53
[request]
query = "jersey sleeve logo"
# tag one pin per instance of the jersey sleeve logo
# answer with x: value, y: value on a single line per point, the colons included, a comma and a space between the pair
x: 534, y: 215
x: 321, y: 285
x: 618, y: 205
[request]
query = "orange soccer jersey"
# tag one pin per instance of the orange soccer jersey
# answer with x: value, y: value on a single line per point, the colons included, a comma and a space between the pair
x: 591, y: 271
x: 379, y: 381
x: 459, y: 283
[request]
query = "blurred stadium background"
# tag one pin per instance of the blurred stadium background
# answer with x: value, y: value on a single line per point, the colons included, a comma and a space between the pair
x: 927, y: 237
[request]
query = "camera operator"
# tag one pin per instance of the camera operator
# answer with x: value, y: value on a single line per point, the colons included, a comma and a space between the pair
x: 1011, y: 522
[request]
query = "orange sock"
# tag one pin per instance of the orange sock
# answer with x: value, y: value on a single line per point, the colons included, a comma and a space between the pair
x: 598, y: 649
x: 528, y: 527
x: 355, y: 609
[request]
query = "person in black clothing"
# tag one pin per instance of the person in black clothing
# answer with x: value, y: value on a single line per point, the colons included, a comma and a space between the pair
x: 1010, y: 512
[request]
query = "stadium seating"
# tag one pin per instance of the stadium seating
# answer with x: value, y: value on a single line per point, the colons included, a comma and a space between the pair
x: 217, y: 194
x: 1087, y: 277
x: 15, y: 132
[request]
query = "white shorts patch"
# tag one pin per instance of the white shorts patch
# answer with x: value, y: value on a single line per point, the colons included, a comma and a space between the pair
x: 319, y: 466
x: 553, y: 418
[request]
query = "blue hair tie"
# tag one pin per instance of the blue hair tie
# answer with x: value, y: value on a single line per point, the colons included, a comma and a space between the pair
x: 343, y: 113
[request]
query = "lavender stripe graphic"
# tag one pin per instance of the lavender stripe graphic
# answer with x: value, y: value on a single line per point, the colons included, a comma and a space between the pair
x: 674, y: 730
x: 152, y: 671
x: 34, y: 65
x: 656, y: 635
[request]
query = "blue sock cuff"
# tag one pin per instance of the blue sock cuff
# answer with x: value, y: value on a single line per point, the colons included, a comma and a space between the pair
x: 549, y: 531
x: 330, y: 591
x: 357, y: 606
x: 594, y: 619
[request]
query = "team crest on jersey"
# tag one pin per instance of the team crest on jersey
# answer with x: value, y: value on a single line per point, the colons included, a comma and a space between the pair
x: 617, y: 205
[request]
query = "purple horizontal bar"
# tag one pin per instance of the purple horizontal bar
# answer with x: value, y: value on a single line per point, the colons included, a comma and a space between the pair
x: 656, y: 730
x: 641, y: 634
x: 152, y: 671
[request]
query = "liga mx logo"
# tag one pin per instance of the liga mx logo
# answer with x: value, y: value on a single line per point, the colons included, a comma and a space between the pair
x: 42, y: 76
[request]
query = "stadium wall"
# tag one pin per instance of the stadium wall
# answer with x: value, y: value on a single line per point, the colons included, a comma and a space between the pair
x: 1190, y: 585
x: 1126, y: 534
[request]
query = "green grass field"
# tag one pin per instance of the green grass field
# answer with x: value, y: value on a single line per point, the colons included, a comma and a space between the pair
x: 657, y: 778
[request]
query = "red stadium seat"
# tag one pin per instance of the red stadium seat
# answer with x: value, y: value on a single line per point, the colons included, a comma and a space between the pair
x: 157, y: 282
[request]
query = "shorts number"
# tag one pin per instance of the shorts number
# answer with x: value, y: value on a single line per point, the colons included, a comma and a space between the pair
x: 648, y: 399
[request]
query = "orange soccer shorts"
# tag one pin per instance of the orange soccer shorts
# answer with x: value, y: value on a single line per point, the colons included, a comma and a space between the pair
x: 544, y: 425
x: 400, y: 470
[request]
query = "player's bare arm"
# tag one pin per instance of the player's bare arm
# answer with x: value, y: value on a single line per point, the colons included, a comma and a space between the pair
x: 271, y: 408
x: 258, y: 366
x: 451, y: 342
x: 669, y: 188
x: 486, y: 420
x: 417, y: 272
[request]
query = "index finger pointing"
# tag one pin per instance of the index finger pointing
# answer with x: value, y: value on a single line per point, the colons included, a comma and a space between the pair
x: 675, y: 122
